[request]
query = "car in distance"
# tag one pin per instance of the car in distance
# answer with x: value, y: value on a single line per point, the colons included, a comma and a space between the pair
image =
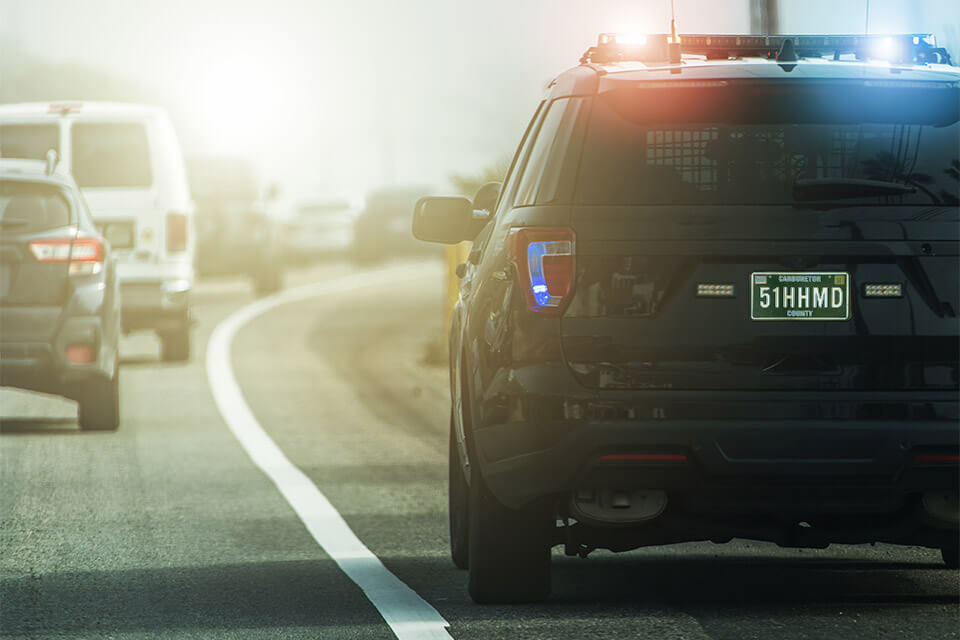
x: 716, y: 298
x: 318, y: 228
x: 127, y: 162
x: 235, y: 233
x: 381, y: 230
x: 59, y: 294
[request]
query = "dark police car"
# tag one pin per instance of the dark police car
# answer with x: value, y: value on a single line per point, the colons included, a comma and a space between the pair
x: 59, y: 300
x: 715, y: 298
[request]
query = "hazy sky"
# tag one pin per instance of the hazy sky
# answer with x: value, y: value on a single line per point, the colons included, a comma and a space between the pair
x: 336, y: 96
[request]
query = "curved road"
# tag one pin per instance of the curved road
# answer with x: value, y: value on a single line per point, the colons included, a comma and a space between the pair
x: 167, y: 528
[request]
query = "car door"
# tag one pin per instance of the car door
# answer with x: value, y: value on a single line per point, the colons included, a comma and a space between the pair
x: 458, y: 341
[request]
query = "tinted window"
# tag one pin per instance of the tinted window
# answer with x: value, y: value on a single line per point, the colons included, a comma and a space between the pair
x: 30, y: 141
x: 541, y: 182
x: 26, y: 207
x: 510, y: 180
x: 757, y: 146
x: 111, y: 155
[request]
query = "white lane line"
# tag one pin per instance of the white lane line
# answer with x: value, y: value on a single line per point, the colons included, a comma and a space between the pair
x: 409, y: 616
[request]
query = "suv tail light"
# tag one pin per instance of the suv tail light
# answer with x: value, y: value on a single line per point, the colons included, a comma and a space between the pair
x: 85, y: 255
x: 176, y: 231
x: 544, y: 258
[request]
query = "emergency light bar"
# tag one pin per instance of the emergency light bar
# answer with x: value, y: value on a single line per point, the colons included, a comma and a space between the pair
x: 909, y: 48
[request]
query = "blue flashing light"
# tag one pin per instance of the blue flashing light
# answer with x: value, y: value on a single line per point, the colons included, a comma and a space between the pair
x: 535, y: 253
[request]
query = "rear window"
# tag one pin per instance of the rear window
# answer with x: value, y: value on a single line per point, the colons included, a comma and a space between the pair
x: 30, y: 141
x: 27, y: 207
x: 111, y: 155
x: 769, y: 144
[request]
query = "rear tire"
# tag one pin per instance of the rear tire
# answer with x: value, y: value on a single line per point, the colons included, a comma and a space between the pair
x: 99, y: 404
x: 175, y: 345
x: 950, y: 556
x: 509, y: 548
x: 459, y: 507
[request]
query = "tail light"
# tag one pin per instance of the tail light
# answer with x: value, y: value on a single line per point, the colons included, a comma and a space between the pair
x: 85, y: 255
x: 544, y: 258
x: 176, y: 232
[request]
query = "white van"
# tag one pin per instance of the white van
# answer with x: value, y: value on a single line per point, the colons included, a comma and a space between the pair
x: 128, y: 164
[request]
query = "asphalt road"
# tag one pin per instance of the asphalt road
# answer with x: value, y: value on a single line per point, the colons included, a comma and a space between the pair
x: 166, y: 528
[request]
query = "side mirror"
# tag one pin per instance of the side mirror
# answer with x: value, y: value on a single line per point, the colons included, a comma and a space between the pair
x: 446, y: 219
x: 487, y: 196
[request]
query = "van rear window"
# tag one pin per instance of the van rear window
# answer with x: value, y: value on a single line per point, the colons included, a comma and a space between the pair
x: 28, y: 207
x: 30, y: 141
x: 111, y: 155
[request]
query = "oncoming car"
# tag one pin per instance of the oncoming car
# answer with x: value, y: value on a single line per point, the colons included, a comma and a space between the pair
x: 716, y: 298
x: 59, y: 298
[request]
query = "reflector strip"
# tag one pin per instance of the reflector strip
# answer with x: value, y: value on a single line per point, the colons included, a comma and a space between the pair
x: 646, y: 457
x: 936, y: 457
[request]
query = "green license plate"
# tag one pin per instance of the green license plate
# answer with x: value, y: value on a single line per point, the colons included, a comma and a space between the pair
x: 800, y: 295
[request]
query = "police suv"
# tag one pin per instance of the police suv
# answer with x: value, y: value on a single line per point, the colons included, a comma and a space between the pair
x: 716, y: 297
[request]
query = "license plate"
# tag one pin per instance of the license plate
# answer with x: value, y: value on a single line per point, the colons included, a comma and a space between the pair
x: 801, y: 295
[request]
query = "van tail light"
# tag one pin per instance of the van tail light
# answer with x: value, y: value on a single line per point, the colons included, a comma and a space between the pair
x: 544, y: 258
x: 85, y: 254
x: 177, y: 225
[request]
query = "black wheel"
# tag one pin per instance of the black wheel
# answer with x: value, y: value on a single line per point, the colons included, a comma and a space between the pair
x: 459, y: 509
x: 99, y: 404
x: 949, y: 555
x: 509, y: 548
x: 175, y: 345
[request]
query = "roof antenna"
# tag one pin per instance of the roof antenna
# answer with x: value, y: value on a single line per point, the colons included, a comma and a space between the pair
x: 673, y: 42
x: 866, y: 20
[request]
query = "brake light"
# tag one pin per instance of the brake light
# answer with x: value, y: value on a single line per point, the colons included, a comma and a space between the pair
x: 936, y: 458
x: 176, y: 232
x: 80, y: 353
x: 85, y: 255
x: 544, y: 259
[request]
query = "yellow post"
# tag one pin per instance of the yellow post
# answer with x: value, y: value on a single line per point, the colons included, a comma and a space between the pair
x: 456, y: 255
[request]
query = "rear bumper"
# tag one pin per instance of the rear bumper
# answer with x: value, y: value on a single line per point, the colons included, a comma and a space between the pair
x: 43, y: 365
x: 724, y: 465
x: 158, y: 304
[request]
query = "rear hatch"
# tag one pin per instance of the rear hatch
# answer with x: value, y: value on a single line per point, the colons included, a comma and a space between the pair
x: 36, y: 231
x: 111, y: 163
x: 678, y: 305
x: 763, y: 237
